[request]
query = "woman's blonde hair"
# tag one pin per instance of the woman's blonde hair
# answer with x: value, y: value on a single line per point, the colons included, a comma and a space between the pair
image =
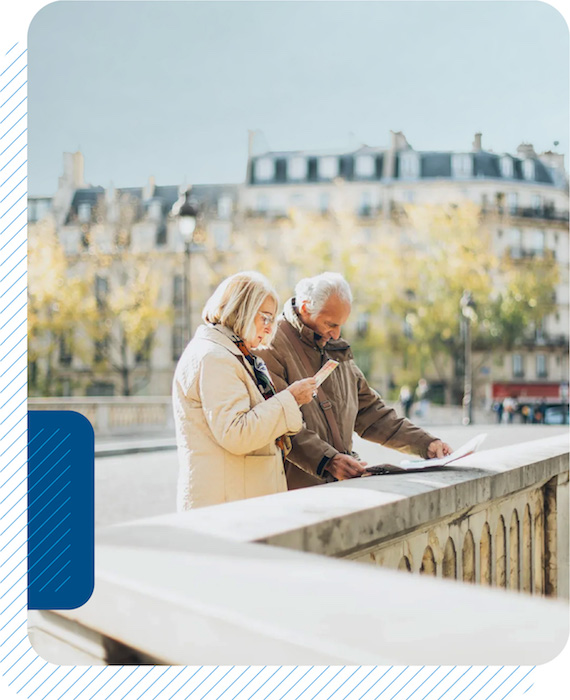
x: 237, y: 300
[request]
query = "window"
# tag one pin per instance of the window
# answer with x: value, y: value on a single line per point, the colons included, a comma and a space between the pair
x: 328, y: 167
x: 518, y: 369
x: 507, y: 166
x: 363, y: 324
x: 364, y: 166
x: 264, y: 169
x: 541, y: 366
x: 297, y: 168
x: 100, y: 389
x: 365, y: 208
x: 512, y: 202
x: 155, y: 211
x: 324, y: 202
x: 84, y: 212
x: 296, y: 199
x: 142, y: 356
x: 178, y: 292
x: 101, y: 290
x: 101, y: 349
x: 280, y: 170
x: 65, y: 351
x: 178, y: 341
x: 409, y: 164
x: 538, y: 242
x: 536, y: 202
x: 528, y: 169
x: 262, y: 204
x: 515, y: 242
x: 161, y: 234
x: 225, y: 206
x: 461, y: 165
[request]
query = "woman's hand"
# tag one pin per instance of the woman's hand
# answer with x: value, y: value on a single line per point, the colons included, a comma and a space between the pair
x: 303, y: 390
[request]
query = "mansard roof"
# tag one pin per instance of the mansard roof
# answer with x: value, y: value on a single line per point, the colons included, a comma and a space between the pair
x: 432, y: 164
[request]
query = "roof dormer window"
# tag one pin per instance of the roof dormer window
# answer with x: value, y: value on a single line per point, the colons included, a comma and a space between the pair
x: 507, y: 166
x: 364, y: 166
x: 328, y: 167
x: 84, y: 212
x: 264, y: 169
x: 409, y: 164
x: 528, y: 169
x: 461, y: 165
x: 297, y: 168
x: 155, y: 210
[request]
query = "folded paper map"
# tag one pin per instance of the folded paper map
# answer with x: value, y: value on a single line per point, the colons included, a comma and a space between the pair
x: 466, y: 449
x: 326, y: 369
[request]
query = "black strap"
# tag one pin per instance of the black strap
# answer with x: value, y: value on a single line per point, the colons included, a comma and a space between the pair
x: 324, y: 401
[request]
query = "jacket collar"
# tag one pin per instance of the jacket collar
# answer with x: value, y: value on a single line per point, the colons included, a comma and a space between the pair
x: 218, y: 335
x: 307, y: 334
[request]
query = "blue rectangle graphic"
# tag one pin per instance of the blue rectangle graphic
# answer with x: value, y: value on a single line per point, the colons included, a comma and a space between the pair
x: 61, y: 510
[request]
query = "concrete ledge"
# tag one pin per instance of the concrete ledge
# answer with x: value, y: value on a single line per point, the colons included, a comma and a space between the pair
x: 183, y: 598
x: 338, y: 519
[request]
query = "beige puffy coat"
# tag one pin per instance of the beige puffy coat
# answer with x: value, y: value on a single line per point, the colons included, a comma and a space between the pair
x: 225, y: 429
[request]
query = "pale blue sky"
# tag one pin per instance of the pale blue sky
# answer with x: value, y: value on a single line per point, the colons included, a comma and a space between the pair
x: 170, y: 88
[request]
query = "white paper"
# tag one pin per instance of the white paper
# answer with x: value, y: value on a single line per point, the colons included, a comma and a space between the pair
x: 326, y: 369
x: 466, y: 449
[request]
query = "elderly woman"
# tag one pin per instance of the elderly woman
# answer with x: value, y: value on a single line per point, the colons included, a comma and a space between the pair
x: 231, y: 424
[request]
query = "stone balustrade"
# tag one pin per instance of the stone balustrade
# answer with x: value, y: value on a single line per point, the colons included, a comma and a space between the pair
x: 114, y: 415
x: 262, y: 581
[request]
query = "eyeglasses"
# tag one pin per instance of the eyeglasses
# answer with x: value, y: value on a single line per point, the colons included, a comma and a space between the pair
x: 268, y: 319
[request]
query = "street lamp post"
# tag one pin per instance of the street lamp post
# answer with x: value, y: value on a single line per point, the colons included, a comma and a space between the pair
x: 467, y: 306
x: 186, y: 214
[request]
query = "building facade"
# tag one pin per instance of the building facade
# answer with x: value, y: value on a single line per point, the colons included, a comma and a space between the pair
x: 126, y: 228
x: 523, y: 198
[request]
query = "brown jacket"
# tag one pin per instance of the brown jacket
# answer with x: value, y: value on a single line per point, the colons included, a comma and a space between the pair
x: 355, y: 405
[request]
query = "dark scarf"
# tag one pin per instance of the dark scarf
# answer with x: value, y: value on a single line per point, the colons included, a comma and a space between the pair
x: 264, y: 384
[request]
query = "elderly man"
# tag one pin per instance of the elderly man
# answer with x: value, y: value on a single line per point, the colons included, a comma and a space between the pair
x: 307, y: 335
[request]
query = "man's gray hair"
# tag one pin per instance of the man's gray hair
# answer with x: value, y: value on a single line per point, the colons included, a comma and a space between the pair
x: 316, y: 291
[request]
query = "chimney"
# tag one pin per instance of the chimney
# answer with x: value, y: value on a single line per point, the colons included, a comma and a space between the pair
x: 148, y: 190
x: 477, y: 142
x: 526, y: 150
x: 73, y: 170
x: 553, y: 160
x: 398, y: 141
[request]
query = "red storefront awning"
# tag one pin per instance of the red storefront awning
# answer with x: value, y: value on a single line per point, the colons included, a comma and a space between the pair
x: 531, y: 390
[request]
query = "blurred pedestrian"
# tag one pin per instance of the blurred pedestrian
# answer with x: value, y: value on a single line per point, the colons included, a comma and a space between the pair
x: 525, y: 413
x: 406, y: 400
x: 422, y: 390
x: 498, y: 408
x: 510, y: 407
x: 540, y: 411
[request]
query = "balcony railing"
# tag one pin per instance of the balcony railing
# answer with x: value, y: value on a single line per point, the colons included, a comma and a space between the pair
x: 546, y: 213
x: 260, y: 581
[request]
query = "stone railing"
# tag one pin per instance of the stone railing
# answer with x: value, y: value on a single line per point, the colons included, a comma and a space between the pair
x: 261, y: 581
x: 498, y: 517
x: 114, y: 415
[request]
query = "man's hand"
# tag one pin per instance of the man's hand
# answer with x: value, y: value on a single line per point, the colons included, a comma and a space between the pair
x: 438, y: 449
x: 343, y: 466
